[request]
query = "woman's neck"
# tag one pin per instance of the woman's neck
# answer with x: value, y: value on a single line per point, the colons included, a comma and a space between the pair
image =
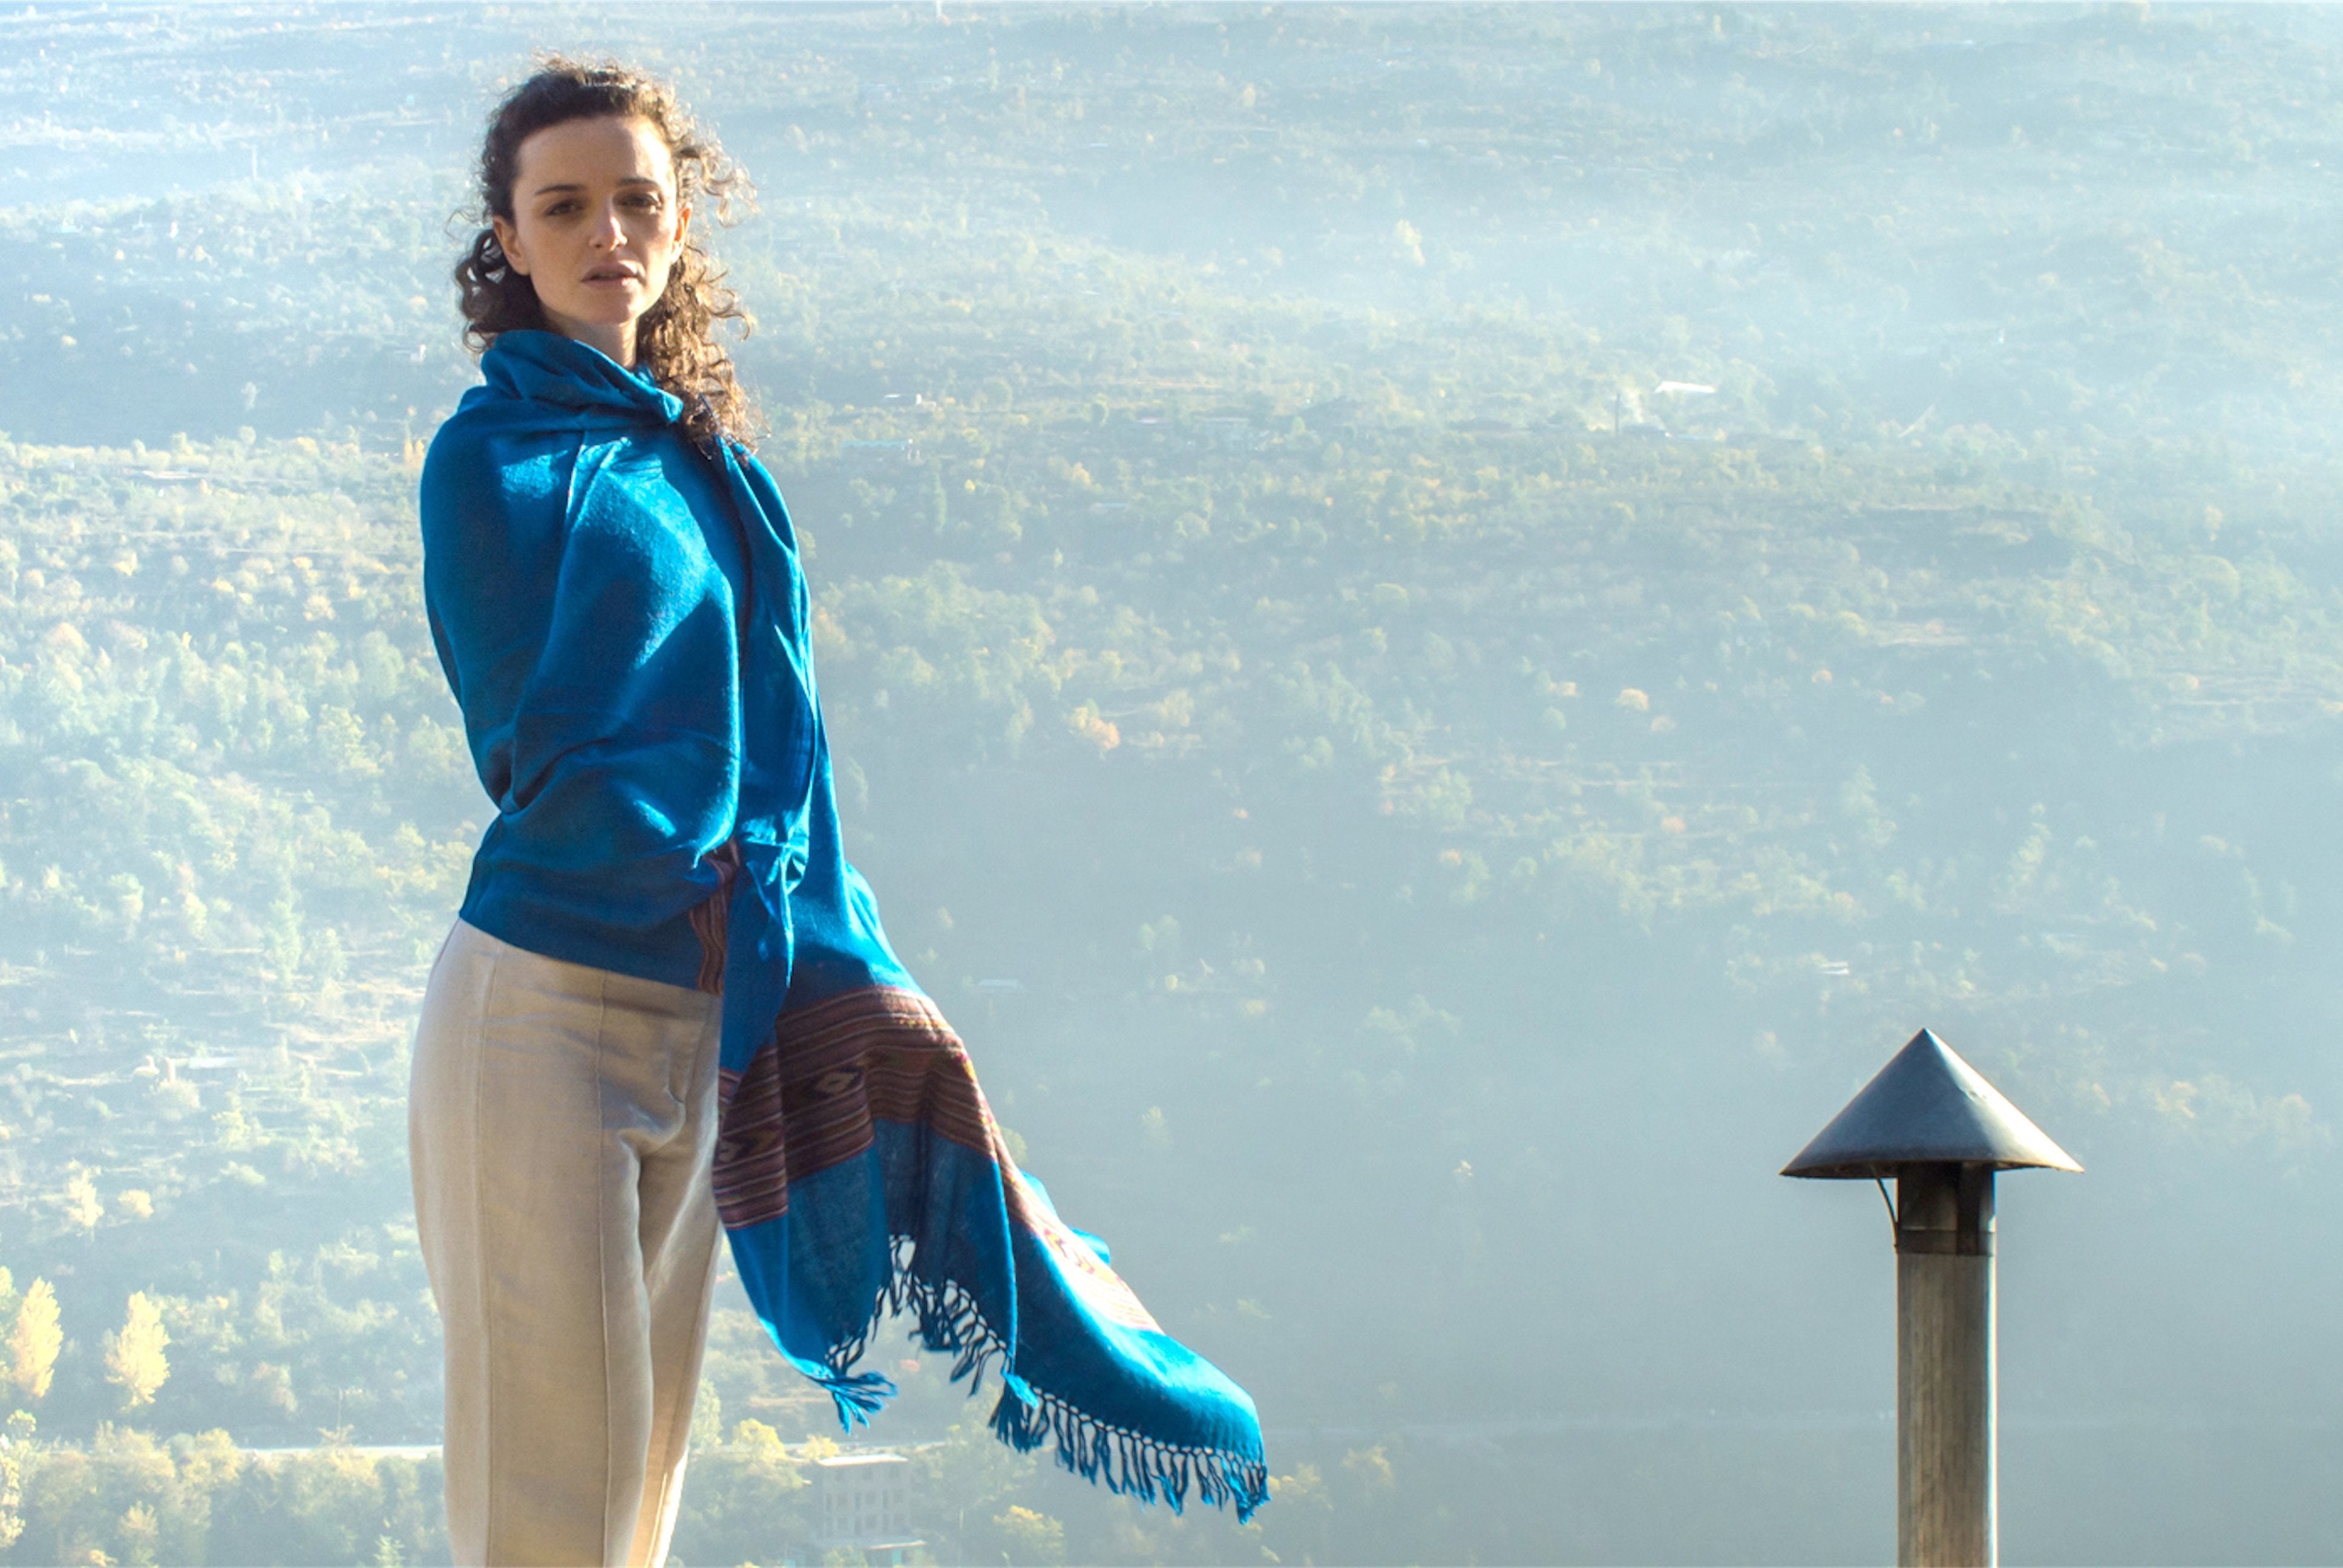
x: 615, y: 339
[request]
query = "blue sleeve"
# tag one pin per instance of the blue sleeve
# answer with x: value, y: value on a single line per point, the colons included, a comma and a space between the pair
x: 593, y: 666
x: 493, y: 514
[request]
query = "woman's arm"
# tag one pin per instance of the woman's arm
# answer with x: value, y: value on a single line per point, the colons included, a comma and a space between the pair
x: 586, y: 635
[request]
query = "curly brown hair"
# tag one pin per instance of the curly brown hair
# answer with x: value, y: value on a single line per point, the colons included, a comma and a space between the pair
x: 675, y: 340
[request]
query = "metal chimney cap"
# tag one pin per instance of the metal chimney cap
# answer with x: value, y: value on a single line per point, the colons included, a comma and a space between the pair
x: 1927, y: 1106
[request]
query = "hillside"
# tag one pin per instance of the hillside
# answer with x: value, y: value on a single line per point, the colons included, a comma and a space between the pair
x: 1415, y: 820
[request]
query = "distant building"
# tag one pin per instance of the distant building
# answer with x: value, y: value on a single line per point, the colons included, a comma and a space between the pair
x: 866, y: 1505
x: 1231, y: 431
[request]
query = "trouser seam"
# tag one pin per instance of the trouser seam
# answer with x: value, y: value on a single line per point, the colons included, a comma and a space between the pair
x: 602, y: 1257
x: 479, y: 1025
x: 686, y: 1392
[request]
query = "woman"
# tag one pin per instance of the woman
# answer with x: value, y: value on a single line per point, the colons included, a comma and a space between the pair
x: 667, y: 1005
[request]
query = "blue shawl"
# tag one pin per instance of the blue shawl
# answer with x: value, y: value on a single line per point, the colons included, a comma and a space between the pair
x: 859, y: 1171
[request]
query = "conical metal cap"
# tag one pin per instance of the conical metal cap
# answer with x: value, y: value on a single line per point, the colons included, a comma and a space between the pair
x: 1927, y: 1106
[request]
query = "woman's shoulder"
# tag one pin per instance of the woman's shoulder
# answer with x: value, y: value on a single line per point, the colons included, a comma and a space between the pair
x: 481, y: 463
x: 492, y: 430
x: 752, y: 469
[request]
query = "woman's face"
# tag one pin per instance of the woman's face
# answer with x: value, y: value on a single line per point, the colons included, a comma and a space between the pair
x: 595, y: 226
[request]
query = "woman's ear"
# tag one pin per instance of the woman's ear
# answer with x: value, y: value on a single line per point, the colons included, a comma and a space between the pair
x: 509, y: 241
x: 682, y: 220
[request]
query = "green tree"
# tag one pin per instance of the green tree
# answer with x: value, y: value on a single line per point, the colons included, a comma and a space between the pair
x: 746, y: 1502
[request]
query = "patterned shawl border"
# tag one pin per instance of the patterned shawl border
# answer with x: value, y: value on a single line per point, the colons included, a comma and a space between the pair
x: 711, y: 917
x: 808, y: 1100
x: 884, y: 1054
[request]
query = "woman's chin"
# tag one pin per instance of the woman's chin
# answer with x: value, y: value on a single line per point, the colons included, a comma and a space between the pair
x: 600, y: 307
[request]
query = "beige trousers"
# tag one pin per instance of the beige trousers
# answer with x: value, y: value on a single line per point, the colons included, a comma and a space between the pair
x: 561, y: 1126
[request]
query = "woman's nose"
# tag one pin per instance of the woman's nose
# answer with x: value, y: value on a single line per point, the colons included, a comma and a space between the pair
x: 610, y: 233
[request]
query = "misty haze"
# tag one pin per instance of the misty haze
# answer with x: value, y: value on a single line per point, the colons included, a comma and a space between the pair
x: 1442, y: 627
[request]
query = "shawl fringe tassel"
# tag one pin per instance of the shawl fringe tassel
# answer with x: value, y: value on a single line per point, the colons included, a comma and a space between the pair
x: 948, y: 1321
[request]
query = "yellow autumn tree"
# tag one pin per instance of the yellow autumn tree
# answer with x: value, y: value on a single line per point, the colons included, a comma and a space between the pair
x: 33, y: 1344
x: 1031, y: 1536
x: 134, y: 1357
x: 82, y: 1206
